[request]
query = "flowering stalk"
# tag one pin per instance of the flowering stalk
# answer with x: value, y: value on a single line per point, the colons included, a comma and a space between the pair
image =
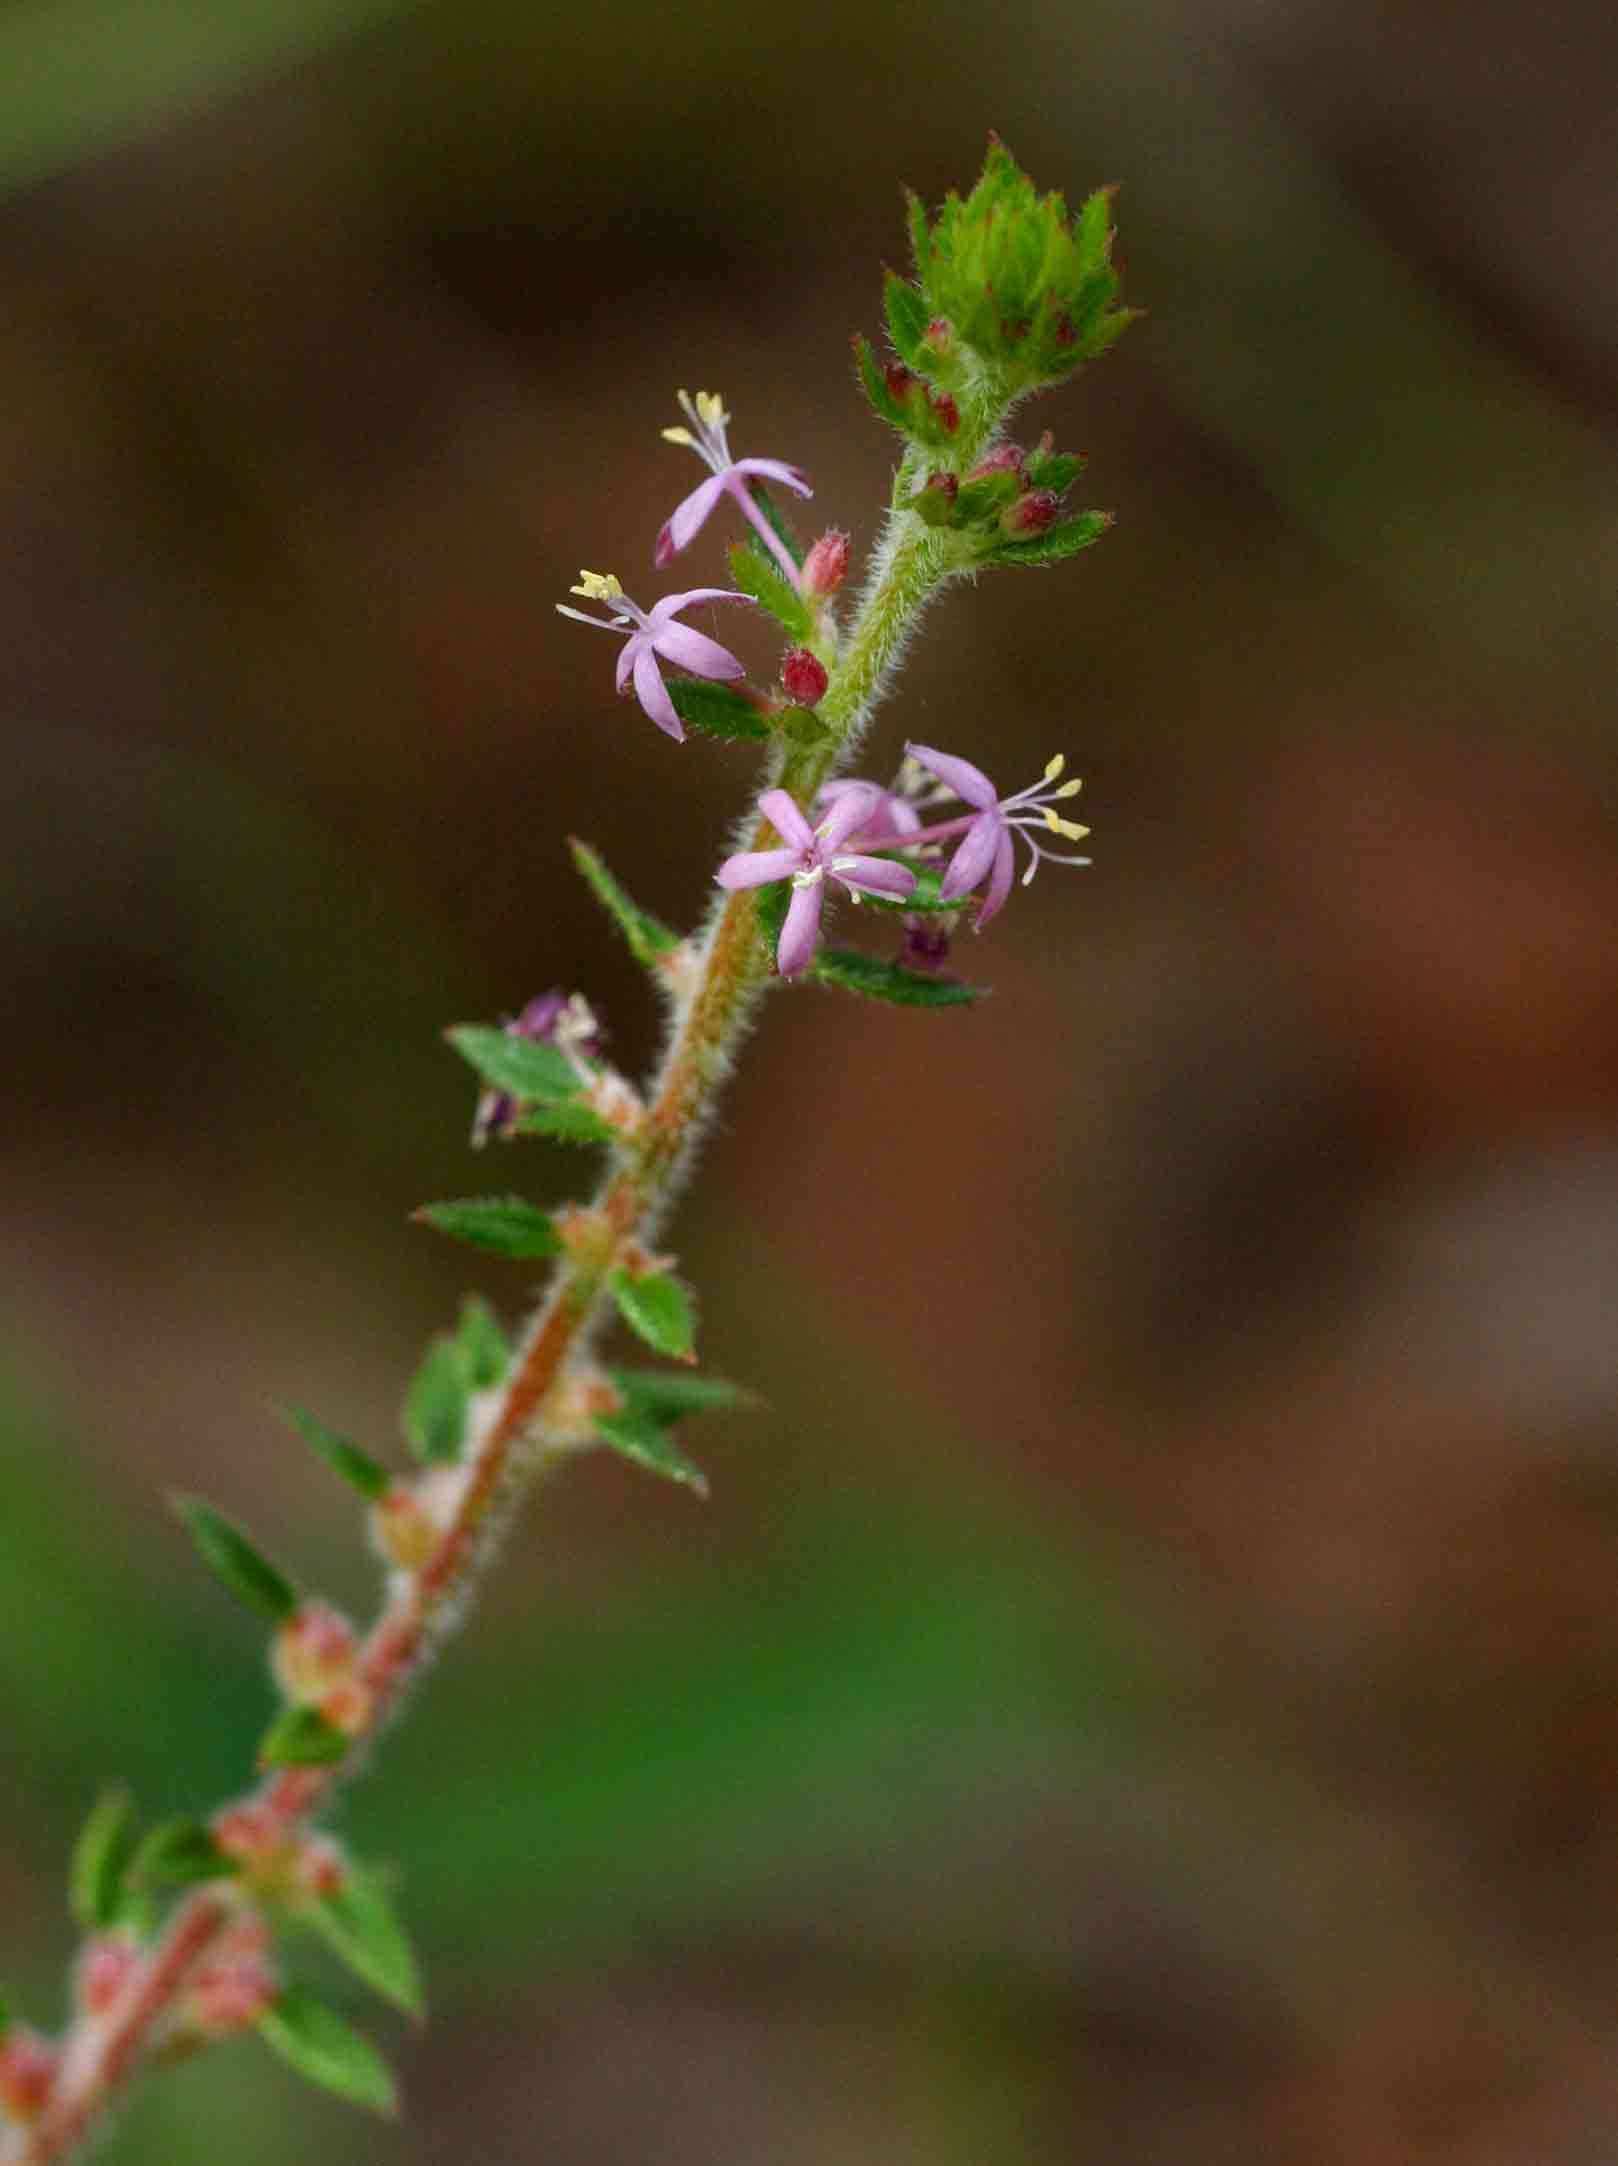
x: 487, y: 1419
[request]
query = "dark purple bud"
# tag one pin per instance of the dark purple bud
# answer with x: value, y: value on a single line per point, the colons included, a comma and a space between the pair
x: 1031, y: 514
x: 948, y: 412
x: 926, y: 943
x: 900, y: 381
x: 803, y: 677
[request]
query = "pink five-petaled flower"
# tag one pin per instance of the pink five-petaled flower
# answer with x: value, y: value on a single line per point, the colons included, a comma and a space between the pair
x: 985, y: 845
x: 728, y: 477
x: 653, y: 632
x: 811, y: 855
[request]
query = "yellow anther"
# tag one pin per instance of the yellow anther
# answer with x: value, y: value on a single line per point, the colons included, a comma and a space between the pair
x: 711, y: 410
x: 1071, y: 789
x: 597, y: 587
x: 1053, y: 767
x: 1069, y: 830
x: 678, y: 436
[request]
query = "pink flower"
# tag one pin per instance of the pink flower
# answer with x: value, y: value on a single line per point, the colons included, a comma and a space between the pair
x: 985, y: 845
x: 727, y: 477
x: 810, y: 856
x: 654, y: 633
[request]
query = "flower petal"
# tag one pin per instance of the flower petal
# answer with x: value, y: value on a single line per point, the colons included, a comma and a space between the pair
x: 628, y: 654
x: 752, y: 868
x: 970, y: 784
x: 801, y: 931
x: 790, y: 477
x: 671, y: 604
x: 1000, y: 880
x: 653, y: 695
x: 974, y: 854
x: 686, y: 520
x: 847, y: 816
x: 783, y: 815
x: 695, y: 651
x: 876, y: 875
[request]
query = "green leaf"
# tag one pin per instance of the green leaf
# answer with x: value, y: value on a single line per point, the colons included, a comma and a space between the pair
x: 648, y: 1443
x: 527, y: 1068
x: 503, y: 1225
x: 1065, y: 539
x: 760, y: 576
x: 359, y: 1923
x: 317, y: 2042
x: 908, y: 318
x: 228, y: 1552
x: 875, y: 386
x: 301, y: 1737
x: 660, y: 1308
x: 567, y: 1121
x: 177, y: 1853
x: 1054, y: 470
x: 923, y: 900
x: 857, y: 973
x: 101, y: 1860
x: 435, y: 1405
x: 647, y: 936
x: 346, y: 1460
x: 717, y: 709
x: 484, y: 1349
x: 667, y: 1394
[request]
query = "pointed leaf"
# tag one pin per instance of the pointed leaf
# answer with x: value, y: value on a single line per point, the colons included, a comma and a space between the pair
x: 908, y: 318
x: 503, y: 1225
x: 227, y: 1551
x: 857, y: 973
x: 1054, y: 470
x: 566, y: 1121
x: 761, y: 577
x: 346, y: 1460
x: 647, y: 936
x: 177, y: 1853
x: 317, y: 2042
x: 301, y: 1737
x: 1065, y: 539
x: 359, y: 1923
x: 101, y: 1861
x: 668, y: 1394
x: 717, y: 709
x: 484, y: 1349
x: 660, y: 1309
x: 875, y: 385
x: 648, y: 1443
x: 435, y: 1405
x: 527, y: 1068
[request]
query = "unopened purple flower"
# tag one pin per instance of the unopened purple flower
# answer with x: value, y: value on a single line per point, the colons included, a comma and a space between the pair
x: 565, y: 1020
x: 811, y: 855
x: 727, y: 477
x: 985, y: 844
x: 653, y: 633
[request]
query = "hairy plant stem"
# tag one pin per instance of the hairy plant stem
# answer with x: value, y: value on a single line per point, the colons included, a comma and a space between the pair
x: 508, y: 1446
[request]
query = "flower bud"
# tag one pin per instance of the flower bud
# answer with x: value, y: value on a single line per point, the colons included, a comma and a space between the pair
x: 106, y: 1968
x: 250, y: 1835
x: 313, y: 1653
x: 27, y: 2071
x: 948, y: 412
x: 934, y: 502
x: 1031, y: 514
x: 321, y: 1866
x: 901, y: 382
x: 803, y: 677
x: 939, y: 338
x: 409, y: 1520
x: 826, y: 566
x: 1004, y: 459
x: 237, y: 1983
x: 926, y: 943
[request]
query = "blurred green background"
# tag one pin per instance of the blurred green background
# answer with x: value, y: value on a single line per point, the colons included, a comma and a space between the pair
x: 1144, y: 1688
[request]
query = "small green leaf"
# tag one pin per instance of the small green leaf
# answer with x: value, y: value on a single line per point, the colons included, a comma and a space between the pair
x: 359, y: 1923
x: 175, y: 1854
x: 503, y: 1225
x: 907, y: 319
x: 648, y: 1443
x: 101, y: 1860
x: 923, y: 900
x: 717, y: 709
x: 484, y: 1349
x: 527, y: 1068
x: 667, y: 1394
x: 875, y: 385
x: 759, y: 576
x: 301, y: 1737
x: 660, y: 1309
x: 1054, y: 470
x: 566, y: 1121
x: 435, y: 1405
x: 856, y: 973
x: 1065, y: 539
x: 228, y: 1552
x: 355, y: 1467
x: 647, y: 936
x: 317, y: 2042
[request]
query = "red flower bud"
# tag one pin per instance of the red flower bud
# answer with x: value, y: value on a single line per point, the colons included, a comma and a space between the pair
x: 826, y: 566
x: 939, y: 337
x: 948, y: 412
x: 1008, y: 459
x: 900, y: 381
x: 803, y: 675
x: 107, y: 1966
x: 1031, y: 514
x: 27, y: 2071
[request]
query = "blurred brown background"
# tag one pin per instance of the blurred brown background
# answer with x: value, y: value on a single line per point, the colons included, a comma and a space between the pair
x: 1147, y: 1686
